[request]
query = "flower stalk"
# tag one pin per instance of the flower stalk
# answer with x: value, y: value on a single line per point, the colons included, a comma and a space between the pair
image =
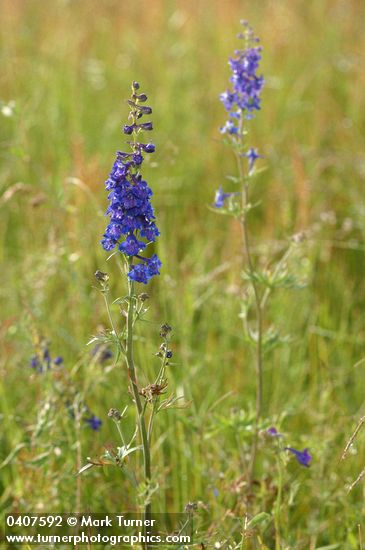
x: 259, y: 315
x: 140, y: 410
x: 130, y: 230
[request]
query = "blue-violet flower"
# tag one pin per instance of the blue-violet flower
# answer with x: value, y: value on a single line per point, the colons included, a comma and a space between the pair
x: 94, y: 422
x: 303, y: 457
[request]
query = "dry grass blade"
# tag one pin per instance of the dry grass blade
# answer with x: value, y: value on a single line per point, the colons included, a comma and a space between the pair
x: 357, y: 480
x: 353, y: 437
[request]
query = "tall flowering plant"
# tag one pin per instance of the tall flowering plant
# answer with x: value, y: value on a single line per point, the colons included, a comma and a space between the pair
x: 131, y: 230
x: 242, y: 101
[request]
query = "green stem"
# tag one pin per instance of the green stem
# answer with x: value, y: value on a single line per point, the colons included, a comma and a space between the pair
x: 110, y: 317
x: 259, y: 318
x: 137, y: 398
x: 278, y: 503
x: 276, y: 271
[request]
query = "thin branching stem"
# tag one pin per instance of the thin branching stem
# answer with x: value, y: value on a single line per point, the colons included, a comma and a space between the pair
x: 137, y: 399
x: 277, y: 270
x: 159, y: 379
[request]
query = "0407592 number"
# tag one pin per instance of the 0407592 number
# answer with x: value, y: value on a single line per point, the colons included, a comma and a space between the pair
x: 31, y: 521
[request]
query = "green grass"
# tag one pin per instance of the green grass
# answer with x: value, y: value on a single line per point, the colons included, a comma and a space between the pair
x: 68, y: 68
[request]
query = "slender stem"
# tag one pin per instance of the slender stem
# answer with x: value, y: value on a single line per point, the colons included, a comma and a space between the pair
x: 276, y: 271
x: 120, y: 433
x: 109, y: 313
x: 277, y: 511
x: 259, y: 358
x: 159, y: 380
x: 259, y: 316
x: 110, y: 317
x: 78, y: 456
x: 137, y: 398
x: 150, y: 424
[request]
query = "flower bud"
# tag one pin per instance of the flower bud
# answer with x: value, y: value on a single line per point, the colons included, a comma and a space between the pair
x: 101, y: 277
x: 115, y: 415
x: 145, y: 126
x: 149, y: 148
x: 165, y: 329
x: 128, y: 129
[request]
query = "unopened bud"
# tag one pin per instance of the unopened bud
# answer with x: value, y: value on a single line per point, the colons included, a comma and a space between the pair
x: 115, y: 415
x: 165, y: 329
x: 101, y: 277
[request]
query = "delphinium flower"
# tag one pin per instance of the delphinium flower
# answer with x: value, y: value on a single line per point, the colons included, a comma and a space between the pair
x: 132, y: 221
x: 243, y: 98
x: 220, y: 197
x: 303, y: 457
x: 273, y: 432
x: 82, y: 412
x: 94, y: 422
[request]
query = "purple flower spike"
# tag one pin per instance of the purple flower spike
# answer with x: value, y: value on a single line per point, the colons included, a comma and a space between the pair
x: 244, y: 97
x: 242, y: 100
x: 303, y: 457
x: 132, y: 220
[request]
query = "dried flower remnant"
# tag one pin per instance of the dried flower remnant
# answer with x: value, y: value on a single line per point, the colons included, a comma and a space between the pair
x: 165, y: 330
x: 152, y: 390
x: 115, y: 414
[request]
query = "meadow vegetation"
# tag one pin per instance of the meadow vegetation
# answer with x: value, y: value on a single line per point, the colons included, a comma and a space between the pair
x: 66, y: 68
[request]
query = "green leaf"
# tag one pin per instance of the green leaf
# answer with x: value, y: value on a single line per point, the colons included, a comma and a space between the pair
x: 259, y: 518
x: 85, y: 468
x: 124, y: 451
x: 235, y: 179
x: 329, y: 547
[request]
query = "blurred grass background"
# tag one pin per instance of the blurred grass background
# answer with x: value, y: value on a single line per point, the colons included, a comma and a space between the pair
x: 67, y: 66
